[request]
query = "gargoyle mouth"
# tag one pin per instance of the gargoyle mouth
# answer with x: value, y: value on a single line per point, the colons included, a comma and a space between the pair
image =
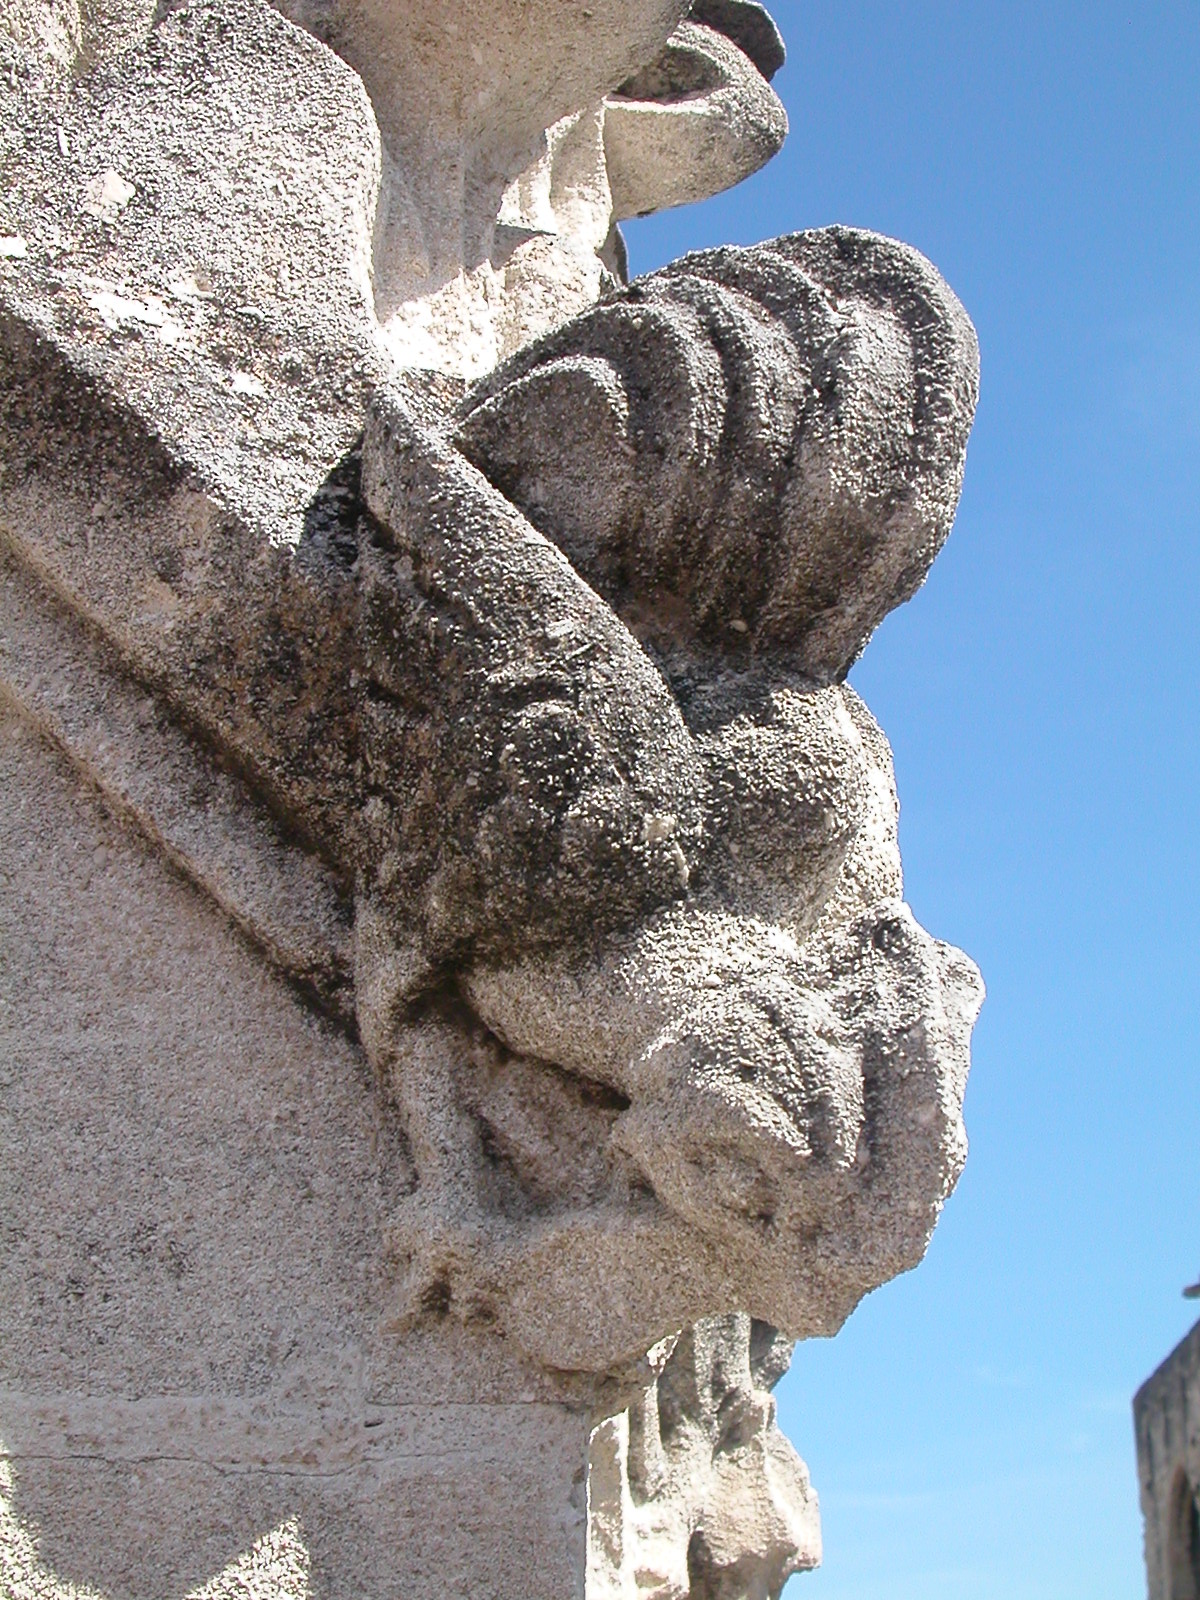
x: 746, y: 24
x: 702, y: 116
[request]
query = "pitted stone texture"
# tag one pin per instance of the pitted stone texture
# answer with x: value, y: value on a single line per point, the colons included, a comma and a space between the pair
x: 693, y: 1493
x: 712, y: 929
x: 700, y: 119
x: 200, y: 1394
x: 747, y: 24
x: 178, y: 383
x: 221, y: 293
x: 540, y: 685
x: 195, y: 1178
x: 752, y: 450
x: 514, y: 137
x: 517, y: 136
x: 637, y: 848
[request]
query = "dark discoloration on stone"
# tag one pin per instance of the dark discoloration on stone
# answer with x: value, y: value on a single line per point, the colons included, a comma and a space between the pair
x: 758, y: 451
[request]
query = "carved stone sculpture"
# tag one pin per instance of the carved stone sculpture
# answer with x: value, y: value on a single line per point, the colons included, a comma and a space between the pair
x: 471, y: 626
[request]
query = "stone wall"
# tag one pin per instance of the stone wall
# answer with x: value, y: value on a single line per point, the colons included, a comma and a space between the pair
x: 199, y: 1387
x: 1166, y: 1414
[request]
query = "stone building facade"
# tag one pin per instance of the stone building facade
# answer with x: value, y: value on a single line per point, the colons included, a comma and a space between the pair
x: 1166, y: 1415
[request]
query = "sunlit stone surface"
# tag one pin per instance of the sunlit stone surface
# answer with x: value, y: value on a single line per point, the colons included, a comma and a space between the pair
x: 457, y: 1001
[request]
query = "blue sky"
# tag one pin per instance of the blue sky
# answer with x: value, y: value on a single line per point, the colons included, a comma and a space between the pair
x: 969, y: 1430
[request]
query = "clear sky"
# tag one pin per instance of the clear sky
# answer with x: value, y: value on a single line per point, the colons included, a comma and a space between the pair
x: 969, y: 1430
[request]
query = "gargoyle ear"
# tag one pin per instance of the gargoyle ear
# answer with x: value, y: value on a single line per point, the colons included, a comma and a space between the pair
x: 702, y: 116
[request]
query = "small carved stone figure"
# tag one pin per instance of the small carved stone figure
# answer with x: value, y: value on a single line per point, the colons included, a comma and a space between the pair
x: 508, y: 606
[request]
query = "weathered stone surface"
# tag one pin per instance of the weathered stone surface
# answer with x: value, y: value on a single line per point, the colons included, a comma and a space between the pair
x: 483, y: 191
x: 761, y: 450
x: 200, y: 1392
x: 700, y: 119
x: 195, y: 1188
x: 692, y: 1490
x: 749, y: 25
x: 500, y: 708
x: 1165, y: 1413
x: 222, y: 310
x: 678, y: 907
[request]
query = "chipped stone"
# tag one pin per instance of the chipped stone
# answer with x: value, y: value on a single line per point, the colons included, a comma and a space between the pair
x: 107, y: 195
x: 119, y: 310
x: 657, y: 828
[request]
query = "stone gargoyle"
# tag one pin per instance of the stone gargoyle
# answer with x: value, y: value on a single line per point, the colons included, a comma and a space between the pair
x: 518, y: 600
x: 644, y: 824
